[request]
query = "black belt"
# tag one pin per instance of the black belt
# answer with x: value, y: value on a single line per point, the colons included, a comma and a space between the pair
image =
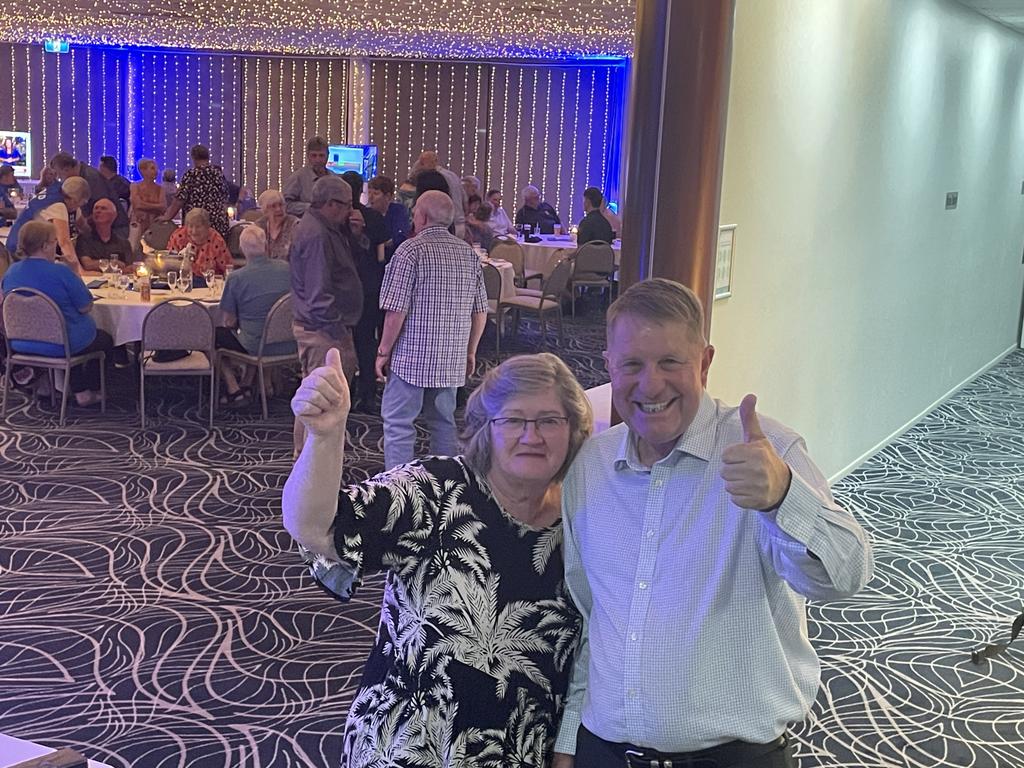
x: 731, y: 753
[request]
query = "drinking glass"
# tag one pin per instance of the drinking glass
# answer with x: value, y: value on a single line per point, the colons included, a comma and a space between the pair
x: 172, y: 280
x: 105, y: 266
x: 216, y: 286
x: 122, y: 285
x: 208, y: 277
x: 227, y: 272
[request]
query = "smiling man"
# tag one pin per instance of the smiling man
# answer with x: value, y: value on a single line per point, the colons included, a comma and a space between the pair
x: 693, y: 533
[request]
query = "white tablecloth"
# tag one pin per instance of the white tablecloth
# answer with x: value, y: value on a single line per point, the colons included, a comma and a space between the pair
x: 538, y: 256
x: 122, y: 318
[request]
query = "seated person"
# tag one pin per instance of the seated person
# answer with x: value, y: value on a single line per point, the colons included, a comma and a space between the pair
x: 38, y: 240
x: 478, y: 225
x: 539, y: 215
x: 277, y: 223
x: 101, y: 242
x: 209, y: 251
x: 248, y: 297
x: 594, y: 225
x: 500, y: 223
x: 10, y: 190
x: 55, y: 204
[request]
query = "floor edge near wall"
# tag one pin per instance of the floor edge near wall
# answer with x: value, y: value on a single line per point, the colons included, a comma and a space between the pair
x: 914, y: 419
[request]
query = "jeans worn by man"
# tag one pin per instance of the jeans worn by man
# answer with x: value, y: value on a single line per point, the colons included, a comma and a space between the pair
x: 436, y: 306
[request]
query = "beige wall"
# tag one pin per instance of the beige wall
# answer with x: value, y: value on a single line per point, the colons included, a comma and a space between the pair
x: 858, y: 300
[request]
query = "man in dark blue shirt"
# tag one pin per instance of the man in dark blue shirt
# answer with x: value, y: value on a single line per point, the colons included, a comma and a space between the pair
x: 594, y: 225
x: 537, y: 214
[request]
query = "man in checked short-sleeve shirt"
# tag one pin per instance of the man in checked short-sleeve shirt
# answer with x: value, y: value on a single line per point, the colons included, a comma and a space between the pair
x: 436, y: 306
x: 693, y: 533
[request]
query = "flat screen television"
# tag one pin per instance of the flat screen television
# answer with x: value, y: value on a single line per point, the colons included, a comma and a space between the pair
x: 16, y: 151
x: 361, y: 158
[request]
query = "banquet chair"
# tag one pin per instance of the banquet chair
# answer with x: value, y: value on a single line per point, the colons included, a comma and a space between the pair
x: 253, y: 215
x: 178, y: 324
x: 593, y: 265
x: 277, y: 328
x: 508, y: 249
x: 31, y: 315
x: 492, y: 282
x: 234, y: 243
x: 158, y: 234
x: 546, y: 301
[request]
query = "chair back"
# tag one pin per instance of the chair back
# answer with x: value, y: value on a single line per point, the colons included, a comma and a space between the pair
x: 158, y: 234
x: 492, y: 282
x: 558, y: 280
x: 234, y: 240
x: 595, y: 257
x: 278, y: 326
x: 178, y: 324
x: 5, y: 259
x: 510, y: 251
x: 253, y: 215
x: 31, y: 315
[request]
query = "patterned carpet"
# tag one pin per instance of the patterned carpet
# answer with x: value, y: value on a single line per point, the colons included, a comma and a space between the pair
x: 153, y: 614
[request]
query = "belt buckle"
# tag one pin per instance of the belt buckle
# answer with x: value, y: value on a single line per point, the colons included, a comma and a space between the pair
x: 642, y: 762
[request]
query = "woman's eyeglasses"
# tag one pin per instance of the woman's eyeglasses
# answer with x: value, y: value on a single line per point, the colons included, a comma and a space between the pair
x: 546, y: 426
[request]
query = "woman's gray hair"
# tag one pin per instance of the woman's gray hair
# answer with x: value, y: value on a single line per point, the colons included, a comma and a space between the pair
x: 269, y: 197
x: 146, y: 162
x: 198, y: 216
x: 252, y: 241
x: 523, y: 375
x: 76, y: 188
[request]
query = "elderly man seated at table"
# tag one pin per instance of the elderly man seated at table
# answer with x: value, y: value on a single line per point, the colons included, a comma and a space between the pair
x: 56, y: 205
x: 38, y: 270
x: 248, y: 297
x: 209, y: 249
x: 277, y: 224
x: 101, y: 242
x: 535, y: 213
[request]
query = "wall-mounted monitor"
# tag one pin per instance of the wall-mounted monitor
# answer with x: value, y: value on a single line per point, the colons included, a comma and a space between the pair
x: 361, y: 158
x: 16, y: 151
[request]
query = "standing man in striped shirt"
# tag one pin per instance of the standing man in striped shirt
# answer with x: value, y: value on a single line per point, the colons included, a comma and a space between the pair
x: 693, y: 533
x: 436, y: 307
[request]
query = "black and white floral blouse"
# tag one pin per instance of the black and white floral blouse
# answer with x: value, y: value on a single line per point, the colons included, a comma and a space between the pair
x: 477, y: 631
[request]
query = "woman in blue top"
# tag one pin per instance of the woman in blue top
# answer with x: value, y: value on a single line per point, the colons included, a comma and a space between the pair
x: 38, y: 242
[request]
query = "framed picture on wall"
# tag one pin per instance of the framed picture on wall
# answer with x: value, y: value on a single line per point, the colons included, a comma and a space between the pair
x: 723, y: 261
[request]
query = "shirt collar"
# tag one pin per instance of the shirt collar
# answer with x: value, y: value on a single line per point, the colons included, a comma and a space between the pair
x: 698, y: 440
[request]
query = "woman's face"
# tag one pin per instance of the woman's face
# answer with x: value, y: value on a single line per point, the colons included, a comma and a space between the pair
x: 148, y: 172
x: 535, y: 453
x: 275, y: 208
x: 198, y: 232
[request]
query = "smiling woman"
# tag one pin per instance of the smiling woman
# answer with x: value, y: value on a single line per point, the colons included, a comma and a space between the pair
x: 477, y: 630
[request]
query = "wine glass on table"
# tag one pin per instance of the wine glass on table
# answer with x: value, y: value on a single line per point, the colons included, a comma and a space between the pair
x: 172, y: 280
x: 208, y: 275
x: 104, y: 267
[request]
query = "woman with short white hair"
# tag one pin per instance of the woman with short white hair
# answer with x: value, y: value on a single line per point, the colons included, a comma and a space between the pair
x: 209, y: 251
x: 277, y: 223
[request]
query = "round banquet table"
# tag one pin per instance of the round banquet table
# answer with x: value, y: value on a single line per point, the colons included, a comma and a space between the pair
x: 538, y: 256
x: 122, y: 318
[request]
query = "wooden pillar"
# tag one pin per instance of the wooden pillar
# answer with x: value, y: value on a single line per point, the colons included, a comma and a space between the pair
x: 676, y: 142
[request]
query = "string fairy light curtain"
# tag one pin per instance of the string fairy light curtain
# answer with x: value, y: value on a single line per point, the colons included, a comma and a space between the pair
x: 556, y: 127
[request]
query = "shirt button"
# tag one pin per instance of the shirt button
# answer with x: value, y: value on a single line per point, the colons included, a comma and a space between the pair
x: 632, y: 693
x: 658, y: 483
x: 643, y: 585
x: 650, y: 533
x: 632, y: 635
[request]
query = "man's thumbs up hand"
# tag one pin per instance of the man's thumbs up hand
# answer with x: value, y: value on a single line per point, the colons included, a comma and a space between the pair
x: 755, y: 475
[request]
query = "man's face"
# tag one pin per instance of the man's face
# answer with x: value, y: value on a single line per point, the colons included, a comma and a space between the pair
x: 532, y: 199
x: 317, y: 160
x: 337, y: 209
x: 658, y: 373
x: 495, y: 201
x: 103, y: 212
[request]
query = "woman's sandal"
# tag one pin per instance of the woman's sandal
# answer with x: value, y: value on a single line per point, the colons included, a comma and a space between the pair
x: 237, y: 400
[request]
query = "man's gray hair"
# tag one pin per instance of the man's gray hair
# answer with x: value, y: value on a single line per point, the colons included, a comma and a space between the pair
x: 268, y: 197
x: 436, y: 207
x: 527, y: 190
x: 523, y: 375
x: 328, y: 188
x: 253, y: 241
x: 662, y: 301
x: 76, y: 188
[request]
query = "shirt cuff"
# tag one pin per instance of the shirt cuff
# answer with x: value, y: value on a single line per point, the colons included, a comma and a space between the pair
x: 566, y: 741
x: 798, y: 514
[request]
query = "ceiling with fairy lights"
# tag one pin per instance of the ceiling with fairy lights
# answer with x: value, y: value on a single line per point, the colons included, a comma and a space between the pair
x: 474, y: 29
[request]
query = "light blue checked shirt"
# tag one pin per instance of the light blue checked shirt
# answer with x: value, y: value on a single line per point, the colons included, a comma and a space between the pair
x: 695, y: 631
